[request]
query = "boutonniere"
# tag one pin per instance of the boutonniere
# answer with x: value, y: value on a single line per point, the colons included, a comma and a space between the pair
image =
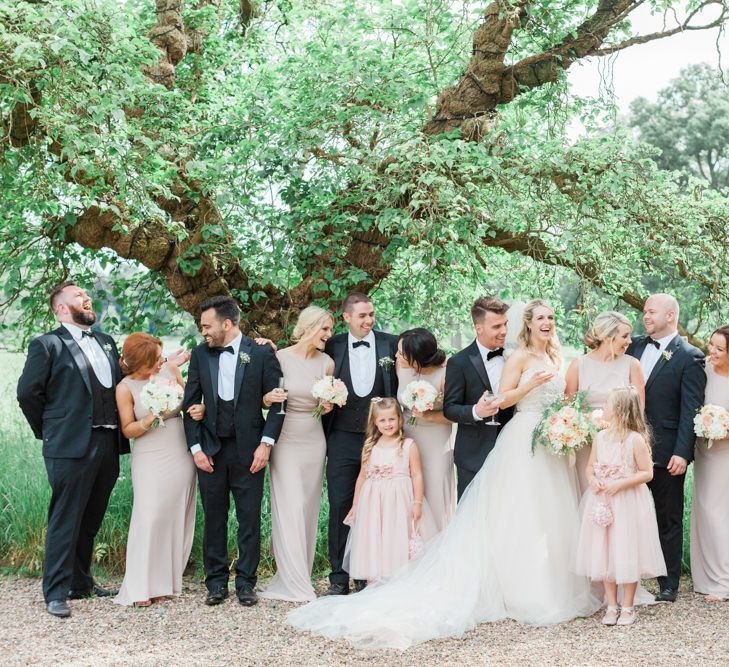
x: 667, y: 354
x: 107, y: 348
x: 386, y: 362
x: 244, y: 358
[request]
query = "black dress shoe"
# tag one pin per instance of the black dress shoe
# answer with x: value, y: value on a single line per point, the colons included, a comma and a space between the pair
x: 337, y: 589
x: 58, y: 608
x: 667, y: 595
x: 247, y: 596
x: 216, y: 596
x: 96, y: 591
x: 359, y: 585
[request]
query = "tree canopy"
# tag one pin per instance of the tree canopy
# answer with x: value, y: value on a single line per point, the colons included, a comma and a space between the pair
x: 287, y: 152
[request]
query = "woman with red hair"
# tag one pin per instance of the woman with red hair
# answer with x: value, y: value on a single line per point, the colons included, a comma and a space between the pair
x: 163, y: 477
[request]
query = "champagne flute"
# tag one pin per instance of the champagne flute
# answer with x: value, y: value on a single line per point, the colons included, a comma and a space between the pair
x: 495, y: 397
x: 282, y: 385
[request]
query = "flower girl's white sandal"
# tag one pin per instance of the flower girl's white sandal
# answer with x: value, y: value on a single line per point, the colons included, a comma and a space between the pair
x: 627, y: 616
x: 611, y: 615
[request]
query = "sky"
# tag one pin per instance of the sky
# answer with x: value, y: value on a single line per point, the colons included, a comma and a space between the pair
x: 644, y: 69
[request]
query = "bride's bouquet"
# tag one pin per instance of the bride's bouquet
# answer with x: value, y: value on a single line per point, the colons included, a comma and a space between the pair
x: 160, y: 397
x: 712, y: 423
x: 420, y: 395
x: 330, y: 390
x: 565, y: 426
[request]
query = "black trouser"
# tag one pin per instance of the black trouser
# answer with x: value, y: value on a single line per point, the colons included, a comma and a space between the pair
x: 463, y: 479
x: 344, y: 458
x: 231, y: 475
x: 667, y: 492
x: 80, y: 490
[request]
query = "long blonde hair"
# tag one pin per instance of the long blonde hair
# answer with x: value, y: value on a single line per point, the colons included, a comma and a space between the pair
x: 525, y: 335
x: 372, y: 434
x: 628, y: 414
x: 604, y: 327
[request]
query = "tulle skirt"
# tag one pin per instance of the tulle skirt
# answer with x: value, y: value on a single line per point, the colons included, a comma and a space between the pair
x: 506, y: 554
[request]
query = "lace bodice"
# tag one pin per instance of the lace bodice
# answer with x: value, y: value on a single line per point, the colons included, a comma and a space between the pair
x: 538, y: 399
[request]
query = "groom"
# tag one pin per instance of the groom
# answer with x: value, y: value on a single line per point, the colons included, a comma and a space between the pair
x: 232, y: 444
x: 67, y: 394
x: 364, y: 359
x: 469, y: 374
x: 674, y: 391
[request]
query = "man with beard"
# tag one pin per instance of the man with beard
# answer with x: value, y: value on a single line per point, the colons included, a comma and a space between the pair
x: 67, y: 393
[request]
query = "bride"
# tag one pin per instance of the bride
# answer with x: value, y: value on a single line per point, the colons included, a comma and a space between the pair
x: 506, y: 553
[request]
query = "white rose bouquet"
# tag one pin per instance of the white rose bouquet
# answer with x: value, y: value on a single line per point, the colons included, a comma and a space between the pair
x: 420, y: 395
x: 160, y: 397
x: 330, y: 390
x: 712, y: 423
x: 566, y: 426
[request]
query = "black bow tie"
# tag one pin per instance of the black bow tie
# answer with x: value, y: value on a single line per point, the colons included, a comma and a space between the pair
x: 356, y: 344
x: 495, y: 353
x: 652, y: 341
x: 87, y: 334
x: 220, y: 350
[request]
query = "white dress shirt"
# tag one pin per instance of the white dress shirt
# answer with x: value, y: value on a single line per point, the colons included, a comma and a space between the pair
x: 651, y: 354
x: 362, y: 364
x: 227, y: 366
x: 94, y: 354
x: 494, y: 368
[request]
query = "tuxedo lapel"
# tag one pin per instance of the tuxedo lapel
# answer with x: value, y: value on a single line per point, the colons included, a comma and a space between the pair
x: 382, y: 349
x: 107, y: 348
x: 672, y: 348
x: 240, y: 367
x: 476, y: 359
x: 78, y: 356
x: 339, y: 352
x: 213, y: 367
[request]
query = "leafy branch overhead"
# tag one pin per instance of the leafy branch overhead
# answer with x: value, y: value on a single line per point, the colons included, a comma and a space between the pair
x: 287, y: 152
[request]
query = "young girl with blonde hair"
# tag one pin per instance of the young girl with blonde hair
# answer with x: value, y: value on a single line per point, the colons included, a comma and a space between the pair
x: 390, y: 518
x: 618, y: 535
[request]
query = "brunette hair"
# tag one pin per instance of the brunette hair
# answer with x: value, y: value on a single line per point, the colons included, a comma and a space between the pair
x: 140, y: 351
x: 722, y: 331
x: 55, y: 292
x: 487, y: 304
x: 353, y: 298
x: 225, y: 308
x: 372, y: 434
x: 525, y: 335
x: 420, y: 349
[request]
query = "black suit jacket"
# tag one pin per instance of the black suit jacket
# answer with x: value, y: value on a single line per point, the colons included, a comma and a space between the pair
x: 252, y: 380
x: 385, y: 346
x: 465, y: 382
x: 673, y: 393
x: 54, y: 393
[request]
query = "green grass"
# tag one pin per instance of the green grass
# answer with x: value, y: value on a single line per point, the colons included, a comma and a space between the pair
x: 24, y: 495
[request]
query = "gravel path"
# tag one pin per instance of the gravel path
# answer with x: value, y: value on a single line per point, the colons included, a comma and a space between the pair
x: 186, y: 632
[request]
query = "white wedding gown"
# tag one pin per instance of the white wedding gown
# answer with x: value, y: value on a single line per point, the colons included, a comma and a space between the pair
x: 505, y: 554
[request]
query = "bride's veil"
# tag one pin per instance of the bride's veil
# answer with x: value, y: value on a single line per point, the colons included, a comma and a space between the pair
x: 515, y: 318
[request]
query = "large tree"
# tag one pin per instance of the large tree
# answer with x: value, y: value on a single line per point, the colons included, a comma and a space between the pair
x: 286, y: 152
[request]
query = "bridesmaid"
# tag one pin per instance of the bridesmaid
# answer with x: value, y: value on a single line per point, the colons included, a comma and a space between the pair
x: 604, y: 368
x: 419, y: 358
x: 163, y: 479
x: 710, y: 509
x: 297, y: 459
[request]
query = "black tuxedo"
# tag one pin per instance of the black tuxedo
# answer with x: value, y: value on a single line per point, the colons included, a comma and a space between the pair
x: 345, y: 428
x: 673, y: 393
x: 232, y: 447
x: 465, y: 382
x: 62, y: 399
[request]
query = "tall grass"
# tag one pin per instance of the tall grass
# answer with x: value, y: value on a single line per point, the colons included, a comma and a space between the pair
x: 24, y: 496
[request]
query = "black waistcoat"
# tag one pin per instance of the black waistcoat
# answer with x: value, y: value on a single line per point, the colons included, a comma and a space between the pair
x: 104, y: 400
x: 353, y: 416
x: 225, y: 424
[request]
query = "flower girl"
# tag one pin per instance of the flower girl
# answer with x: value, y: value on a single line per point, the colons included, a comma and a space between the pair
x: 618, y: 535
x: 389, y: 517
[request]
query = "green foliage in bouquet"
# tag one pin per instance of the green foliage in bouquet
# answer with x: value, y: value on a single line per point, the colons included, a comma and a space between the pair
x: 558, y: 439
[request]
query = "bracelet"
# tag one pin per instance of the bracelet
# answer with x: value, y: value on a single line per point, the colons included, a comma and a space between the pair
x: 417, y: 502
x: 144, y: 430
